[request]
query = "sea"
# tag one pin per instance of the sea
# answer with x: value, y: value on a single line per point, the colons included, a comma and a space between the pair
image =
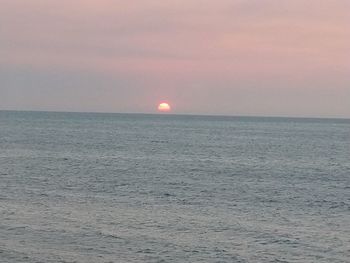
x: 98, y: 187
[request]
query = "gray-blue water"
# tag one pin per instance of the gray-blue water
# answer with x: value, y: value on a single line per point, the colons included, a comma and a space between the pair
x: 160, y: 188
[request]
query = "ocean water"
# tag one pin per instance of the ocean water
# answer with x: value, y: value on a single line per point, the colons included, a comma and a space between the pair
x: 83, y: 187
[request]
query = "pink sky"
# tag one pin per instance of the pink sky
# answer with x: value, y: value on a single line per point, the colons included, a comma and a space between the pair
x: 234, y: 57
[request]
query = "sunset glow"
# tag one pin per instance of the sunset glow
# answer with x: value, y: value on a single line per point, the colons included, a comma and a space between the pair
x: 228, y: 57
x: 164, y: 107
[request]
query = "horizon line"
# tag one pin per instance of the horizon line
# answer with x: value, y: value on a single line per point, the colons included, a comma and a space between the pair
x: 180, y: 114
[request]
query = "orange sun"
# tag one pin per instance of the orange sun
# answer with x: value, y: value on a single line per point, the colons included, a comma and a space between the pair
x: 164, y: 107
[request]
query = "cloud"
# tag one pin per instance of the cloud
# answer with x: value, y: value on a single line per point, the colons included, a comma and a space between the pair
x: 178, y: 44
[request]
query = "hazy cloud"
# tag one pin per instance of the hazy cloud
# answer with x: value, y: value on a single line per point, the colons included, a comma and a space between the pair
x: 222, y: 57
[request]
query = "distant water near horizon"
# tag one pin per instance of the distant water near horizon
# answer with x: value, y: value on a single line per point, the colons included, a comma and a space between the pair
x: 94, y: 187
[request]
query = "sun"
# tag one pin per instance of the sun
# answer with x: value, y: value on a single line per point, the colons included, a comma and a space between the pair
x: 164, y: 107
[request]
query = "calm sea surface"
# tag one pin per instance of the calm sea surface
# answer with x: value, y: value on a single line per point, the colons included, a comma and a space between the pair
x: 81, y: 187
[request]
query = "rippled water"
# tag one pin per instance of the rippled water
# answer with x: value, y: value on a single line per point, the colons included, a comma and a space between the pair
x: 161, y: 188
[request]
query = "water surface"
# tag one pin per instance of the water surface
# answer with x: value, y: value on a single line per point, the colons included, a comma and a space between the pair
x: 83, y: 187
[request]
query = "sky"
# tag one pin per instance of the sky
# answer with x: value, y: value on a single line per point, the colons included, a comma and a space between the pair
x: 224, y: 57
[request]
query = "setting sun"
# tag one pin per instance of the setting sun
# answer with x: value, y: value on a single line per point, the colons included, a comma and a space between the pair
x: 164, y: 107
